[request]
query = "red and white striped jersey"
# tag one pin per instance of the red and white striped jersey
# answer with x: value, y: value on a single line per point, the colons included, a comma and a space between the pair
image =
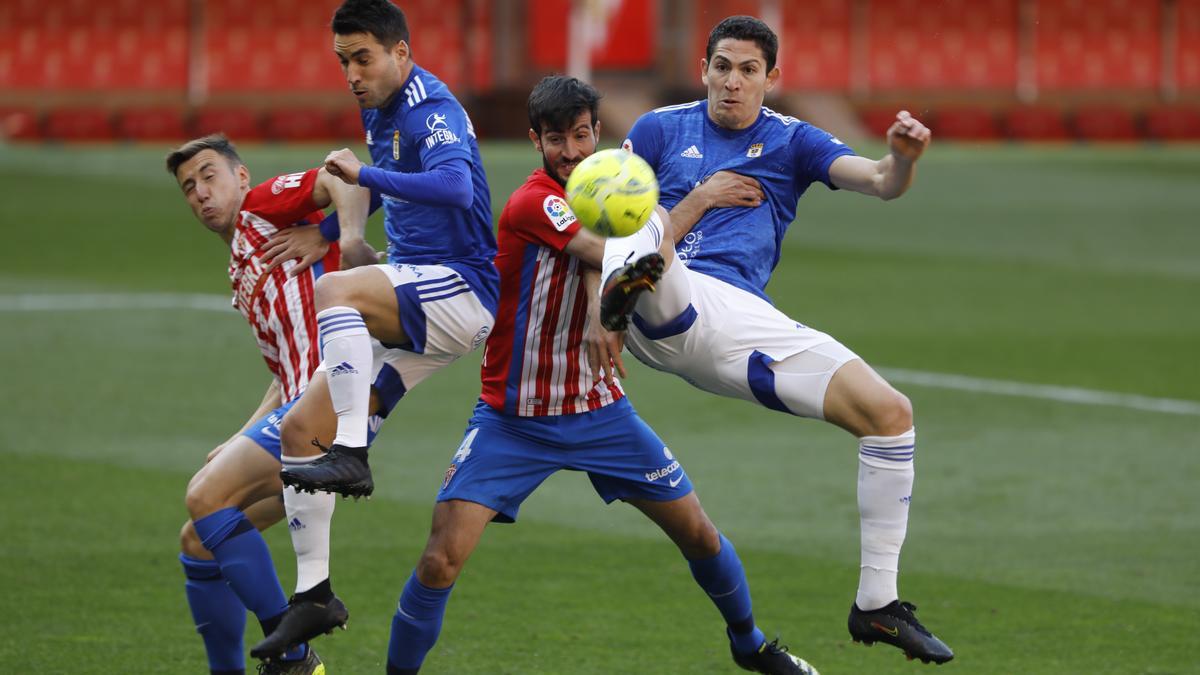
x: 280, y: 308
x: 534, y: 364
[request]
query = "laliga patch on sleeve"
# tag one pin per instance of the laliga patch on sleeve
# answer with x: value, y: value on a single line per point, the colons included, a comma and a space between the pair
x: 627, y: 145
x: 559, y: 213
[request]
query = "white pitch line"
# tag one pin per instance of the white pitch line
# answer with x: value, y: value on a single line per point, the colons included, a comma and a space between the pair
x: 45, y: 302
x: 1046, y: 392
x: 83, y: 302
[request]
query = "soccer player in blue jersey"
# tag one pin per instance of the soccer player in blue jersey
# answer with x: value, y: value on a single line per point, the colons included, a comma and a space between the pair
x: 546, y: 408
x: 731, y: 172
x: 433, y: 302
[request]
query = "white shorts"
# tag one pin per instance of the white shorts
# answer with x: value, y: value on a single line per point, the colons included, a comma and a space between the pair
x: 732, y: 343
x: 442, y: 317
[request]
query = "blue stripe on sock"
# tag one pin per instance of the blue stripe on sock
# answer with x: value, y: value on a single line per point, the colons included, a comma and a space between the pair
x: 884, y: 448
x: 890, y: 458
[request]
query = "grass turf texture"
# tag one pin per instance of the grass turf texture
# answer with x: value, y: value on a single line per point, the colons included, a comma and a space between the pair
x: 1045, y: 537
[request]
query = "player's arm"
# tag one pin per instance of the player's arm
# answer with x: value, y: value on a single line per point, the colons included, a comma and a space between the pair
x: 603, y: 346
x: 271, y: 400
x: 444, y: 184
x: 723, y: 189
x: 353, y: 205
x: 889, y: 177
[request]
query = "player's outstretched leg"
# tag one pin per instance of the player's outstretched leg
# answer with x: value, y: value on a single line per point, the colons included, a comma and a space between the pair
x: 860, y: 401
x: 718, y: 570
x: 633, y: 265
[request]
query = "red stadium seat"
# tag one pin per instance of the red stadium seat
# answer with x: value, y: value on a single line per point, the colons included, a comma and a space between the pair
x: 19, y: 124
x: 151, y: 124
x: 1105, y: 123
x: 80, y: 124
x: 967, y: 123
x: 1035, y: 123
x: 1175, y: 123
x: 298, y: 124
x: 346, y: 125
x: 239, y: 124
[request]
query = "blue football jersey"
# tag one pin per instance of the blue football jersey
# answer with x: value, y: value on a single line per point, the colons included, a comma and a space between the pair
x: 424, y: 126
x: 739, y: 245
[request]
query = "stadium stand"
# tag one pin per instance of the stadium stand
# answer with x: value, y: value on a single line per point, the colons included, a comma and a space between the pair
x: 263, y: 70
x: 1035, y: 123
x: 151, y: 124
x: 80, y: 124
x: 1173, y: 123
x: 1105, y: 123
x: 240, y: 124
x: 963, y: 44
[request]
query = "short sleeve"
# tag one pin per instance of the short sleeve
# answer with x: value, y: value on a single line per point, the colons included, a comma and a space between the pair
x: 814, y: 150
x: 284, y: 200
x: 439, y: 131
x: 542, y: 217
x: 645, y: 139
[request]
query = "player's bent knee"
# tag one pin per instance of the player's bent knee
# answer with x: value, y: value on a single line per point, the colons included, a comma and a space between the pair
x: 204, y: 497
x: 439, y: 567
x: 892, y: 415
x: 703, y: 541
x: 189, y: 542
x: 333, y: 289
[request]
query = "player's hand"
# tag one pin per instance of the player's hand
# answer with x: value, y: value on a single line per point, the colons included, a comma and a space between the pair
x: 357, y: 252
x: 343, y: 164
x: 303, y: 241
x: 604, y: 352
x: 907, y: 138
x: 726, y: 188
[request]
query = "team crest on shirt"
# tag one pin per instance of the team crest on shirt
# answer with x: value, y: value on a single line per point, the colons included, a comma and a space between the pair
x: 559, y: 213
x: 396, y: 145
x: 755, y: 150
x: 368, y: 137
x: 291, y: 180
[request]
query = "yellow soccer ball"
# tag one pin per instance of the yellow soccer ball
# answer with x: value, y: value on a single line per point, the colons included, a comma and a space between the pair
x: 613, y: 193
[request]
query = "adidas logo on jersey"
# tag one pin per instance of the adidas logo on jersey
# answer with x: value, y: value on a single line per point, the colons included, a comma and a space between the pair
x: 692, y: 153
x: 342, y: 368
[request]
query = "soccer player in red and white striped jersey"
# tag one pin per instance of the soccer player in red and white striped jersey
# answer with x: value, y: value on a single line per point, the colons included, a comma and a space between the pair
x: 236, y: 493
x: 546, y: 408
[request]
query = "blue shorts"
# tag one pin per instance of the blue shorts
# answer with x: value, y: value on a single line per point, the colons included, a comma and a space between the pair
x: 265, y: 431
x: 503, y: 458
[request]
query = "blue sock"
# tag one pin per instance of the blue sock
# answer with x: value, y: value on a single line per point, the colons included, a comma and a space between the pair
x: 724, y: 579
x: 220, y: 617
x: 416, y: 625
x: 245, y: 561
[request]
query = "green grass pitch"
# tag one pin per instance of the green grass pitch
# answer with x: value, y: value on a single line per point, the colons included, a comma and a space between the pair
x: 1045, y: 536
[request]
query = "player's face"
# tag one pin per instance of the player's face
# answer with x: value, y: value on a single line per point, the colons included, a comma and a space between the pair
x: 737, y: 79
x: 563, y: 150
x: 213, y: 188
x: 374, y: 72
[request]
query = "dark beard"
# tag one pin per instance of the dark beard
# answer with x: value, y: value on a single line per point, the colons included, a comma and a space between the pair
x: 552, y: 173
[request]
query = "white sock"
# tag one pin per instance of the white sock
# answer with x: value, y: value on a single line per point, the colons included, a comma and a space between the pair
x: 346, y: 346
x: 619, y: 251
x: 885, y: 480
x: 308, y: 519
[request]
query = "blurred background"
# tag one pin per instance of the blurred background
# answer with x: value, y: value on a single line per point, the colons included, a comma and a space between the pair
x: 1037, y: 301
x: 1044, y: 70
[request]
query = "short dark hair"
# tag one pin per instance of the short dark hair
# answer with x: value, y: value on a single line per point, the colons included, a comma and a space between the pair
x: 378, y: 17
x: 218, y: 143
x: 745, y: 28
x: 557, y: 100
